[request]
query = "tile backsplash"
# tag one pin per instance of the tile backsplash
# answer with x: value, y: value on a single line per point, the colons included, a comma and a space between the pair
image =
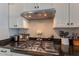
x: 70, y: 30
x: 44, y: 26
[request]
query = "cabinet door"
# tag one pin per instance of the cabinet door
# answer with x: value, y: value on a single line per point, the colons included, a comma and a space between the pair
x: 74, y: 14
x: 45, y: 5
x: 36, y: 6
x: 61, y: 17
x: 29, y: 6
x: 14, y: 12
x: 4, y: 31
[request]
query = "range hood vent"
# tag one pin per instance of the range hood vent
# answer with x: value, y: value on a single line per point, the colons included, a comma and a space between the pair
x: 39, y: 14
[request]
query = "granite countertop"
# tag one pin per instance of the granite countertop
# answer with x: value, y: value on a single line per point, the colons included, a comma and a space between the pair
x: 56, y: 50
x: 20, y: 47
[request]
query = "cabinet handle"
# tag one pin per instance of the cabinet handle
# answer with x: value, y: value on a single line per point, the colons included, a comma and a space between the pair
x: 72, y: 23
x: 68, y: 23
x: 15, y: 25
x: 37, y: 6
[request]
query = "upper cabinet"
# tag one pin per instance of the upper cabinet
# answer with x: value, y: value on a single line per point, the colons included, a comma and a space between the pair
x: 4, y: 31
x: 15, y: 10
x: 67, y: 15
x: 74, y: 14
x: 61, y: 17
x: 44, y: 5
x: 15, y: 19
x: 37, y: 6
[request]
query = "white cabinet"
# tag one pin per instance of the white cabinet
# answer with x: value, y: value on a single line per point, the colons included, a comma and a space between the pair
x: 4, y: 31
x: 20, y: 23
x: 45, y: 5
x: 67, y: 15
x: 15, y: 11
x: 37, y: 6
x: 15, y: 19
x: 61, y: 17
x: 74, y: 14
x: 29, y: 6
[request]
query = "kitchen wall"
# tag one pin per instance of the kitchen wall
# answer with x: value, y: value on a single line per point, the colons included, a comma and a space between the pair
x: 13, y: 31
x: 44, y: 26
x: 70, y: 30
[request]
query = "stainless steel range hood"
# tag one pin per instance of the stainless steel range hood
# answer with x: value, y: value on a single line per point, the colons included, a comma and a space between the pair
x: 39, y: 14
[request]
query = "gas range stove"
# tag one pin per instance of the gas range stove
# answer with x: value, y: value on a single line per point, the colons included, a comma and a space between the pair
x: 36, y: 47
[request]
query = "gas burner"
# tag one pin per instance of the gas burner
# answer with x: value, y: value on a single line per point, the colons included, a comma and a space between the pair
x: 37, y: 46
